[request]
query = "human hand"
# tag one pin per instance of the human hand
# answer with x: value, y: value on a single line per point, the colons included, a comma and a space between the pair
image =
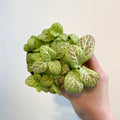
x: 92, y: 103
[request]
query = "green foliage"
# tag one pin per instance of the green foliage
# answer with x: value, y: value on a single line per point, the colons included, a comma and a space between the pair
x: 31, y: 82
x: 38, y: 89
x: 87, y: 43
x: 73, y: 55
x: 39, y: 66
x: 37, y: 77
x: 54, y: 67
x: 26, y: 48
x: 55, y: 89
x: 60, y: 47
x: 73, y: 39
x: 65, y: 69
x: 46, y: 81
x: 72, y: 82
x: 32, y: 57
x: 88, y: 77
x: 47, y: 53
x: 56, y: 61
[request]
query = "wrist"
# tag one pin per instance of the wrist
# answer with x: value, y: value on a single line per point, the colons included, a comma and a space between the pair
x: 100, y: 114
x: 93, y: 112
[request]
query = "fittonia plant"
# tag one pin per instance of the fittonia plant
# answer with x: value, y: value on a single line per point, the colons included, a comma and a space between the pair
x: 55, y: 61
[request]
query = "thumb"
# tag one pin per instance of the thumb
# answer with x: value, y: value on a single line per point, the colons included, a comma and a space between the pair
x: 93, y: 64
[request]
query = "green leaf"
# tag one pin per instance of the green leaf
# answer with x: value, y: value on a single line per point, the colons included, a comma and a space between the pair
x: 31, y: 82
x: 38, y: 89
x: 46, y: 81
x: 45, y: 89
x: 31, y: 42
x: 62, y: 37
x: 37, y: 50
x: 73, y: 55
x: 87, y: 44
x: 65, y: 69
x: 42, y: 36
x: 39, y: 66
x: 55, y: 30
x: 32, y: 57
x: 47, y: 53
x: 54, y: 67
x: 73, y: 39
x: 88, y: 76
x: 60, y: 47
x: 38, y: 43
x: 72, y: 83
x: 29, y: 67
x: 55, y: 89
x: 45, y: 37
x: 37, y: 77
x: 26, y: 48
x: 45, y: 31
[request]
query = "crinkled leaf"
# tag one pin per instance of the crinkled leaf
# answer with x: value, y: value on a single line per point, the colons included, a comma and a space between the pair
x: 72, y: 83
x: 65, y: 69
x: 88, y: 76
x: 55, y: 89
x: 31, y: 82
x: 62, y: 37
x: 60, y: 47
x: 38, y: 43
x: 55, y: 30
x: 54, y: 67
x: 29, y: 67
x: 42, y: 36
x: 46, y: 81
x: 37, y: 50
x: 45, y: 37
x: 73, y: 55
x: 31, y: 43
x: 37, y: 77
x: 32, y: 57
x: 26, y: 48
x: 87, y: 44
x: 73, y: 39
x: 45, y: 89
x: 45, y: 31
x: 38, y: 89
x: 47, y: 53
x: 39, y: 66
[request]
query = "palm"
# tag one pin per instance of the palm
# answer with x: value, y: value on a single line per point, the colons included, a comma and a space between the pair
x: 90, y: 96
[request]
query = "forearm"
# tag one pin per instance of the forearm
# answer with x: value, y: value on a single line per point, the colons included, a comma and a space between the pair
x: 93, y: 113
x: 101, y: 115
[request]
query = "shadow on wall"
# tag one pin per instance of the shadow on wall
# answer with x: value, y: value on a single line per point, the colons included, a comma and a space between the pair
x: 64, y: 107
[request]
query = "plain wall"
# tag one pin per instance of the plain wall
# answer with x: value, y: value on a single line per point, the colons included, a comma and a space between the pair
x: 19, y: 19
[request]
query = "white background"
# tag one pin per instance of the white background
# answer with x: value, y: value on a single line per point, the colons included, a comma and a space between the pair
x: 19, y: 19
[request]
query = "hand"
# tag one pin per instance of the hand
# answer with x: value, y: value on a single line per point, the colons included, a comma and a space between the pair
x: 92, y: 103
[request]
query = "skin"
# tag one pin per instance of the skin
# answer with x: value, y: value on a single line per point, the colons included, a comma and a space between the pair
x: 92, y: 103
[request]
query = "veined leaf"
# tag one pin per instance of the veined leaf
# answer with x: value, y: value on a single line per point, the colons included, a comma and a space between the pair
x: 60, y: 47
x: 88, y: 76
x: 46, y: 81
x: 87, y: 44
x: 74, y: 55
x: 31, y: 82
x: 39, y: 66
x: 47, y: 53
x: 54, y: 67
x: 72, y: 83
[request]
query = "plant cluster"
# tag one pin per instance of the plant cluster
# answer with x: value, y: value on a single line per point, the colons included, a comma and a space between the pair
x: 55, y: 61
